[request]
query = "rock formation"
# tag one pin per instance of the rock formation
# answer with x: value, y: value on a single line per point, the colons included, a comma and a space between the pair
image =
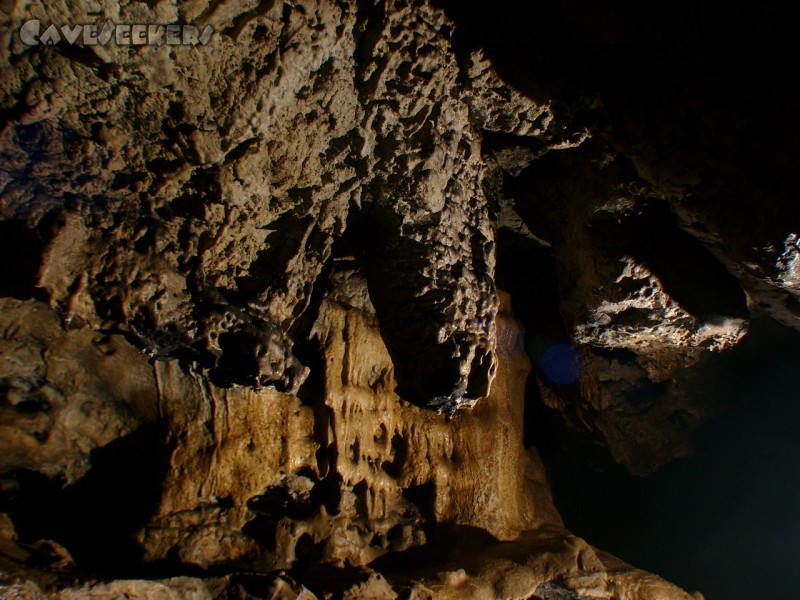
x: 270, y: 304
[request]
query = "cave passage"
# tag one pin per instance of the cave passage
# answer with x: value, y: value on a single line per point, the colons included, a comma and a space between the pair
x: 724, y: 521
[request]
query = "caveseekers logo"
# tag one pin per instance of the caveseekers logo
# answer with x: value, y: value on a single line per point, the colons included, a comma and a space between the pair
x: 31, y: 34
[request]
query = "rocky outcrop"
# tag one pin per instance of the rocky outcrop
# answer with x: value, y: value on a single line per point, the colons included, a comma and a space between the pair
x: 231, y: 170
x: 681, y: 203
x: 259, y: 482
x: 67, y: 392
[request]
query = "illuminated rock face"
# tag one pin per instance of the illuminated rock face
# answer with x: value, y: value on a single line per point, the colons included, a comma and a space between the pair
x: 256, y: 303
x: 246, y: 481
x: 229, y: 171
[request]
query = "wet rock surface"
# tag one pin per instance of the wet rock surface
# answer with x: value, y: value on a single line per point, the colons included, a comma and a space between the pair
x: 287, y: 315
x: 342, y: 495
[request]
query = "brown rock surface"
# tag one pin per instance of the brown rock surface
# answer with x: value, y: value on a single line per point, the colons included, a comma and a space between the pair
x: 252, y: 342
x: 352, y: 478
x: 66, y: 392
x: 258, y: 481
x: 230, y: 193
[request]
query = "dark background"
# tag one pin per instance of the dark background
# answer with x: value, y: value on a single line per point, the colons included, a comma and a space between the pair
x: 725, y: 521
x: 720, y: 81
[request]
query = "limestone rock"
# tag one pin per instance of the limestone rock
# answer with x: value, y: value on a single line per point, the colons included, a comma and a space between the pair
x: 256, y: 319
x: 65, y: 393
x: 257, y: 480
x: 228, y: 195
x: 302, y: 479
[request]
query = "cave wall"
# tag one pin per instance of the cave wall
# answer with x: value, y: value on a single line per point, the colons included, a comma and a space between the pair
x: 231, y: 170
x: 161, y: 471
x: 290, y: 299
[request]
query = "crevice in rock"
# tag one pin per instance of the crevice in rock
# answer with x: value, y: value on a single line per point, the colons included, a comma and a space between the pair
x: 423, y: 496
x: 445, y: 541
x: 690, y: 274
x: 535, y: 299
x: 96, y: 519
x: 412, y: 312
x: 305, y: 347
x: 19, y: 272
x: 528, y: 271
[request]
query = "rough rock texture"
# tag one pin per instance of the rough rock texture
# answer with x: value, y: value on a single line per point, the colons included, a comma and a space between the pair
x: 645, y: 299
x: 252, y: 339
x: 231, y: 170
x: 54, y: 414
x: 256, y: 481
x: 348, y: 480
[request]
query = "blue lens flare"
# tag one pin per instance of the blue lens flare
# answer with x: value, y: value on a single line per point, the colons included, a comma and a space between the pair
x: 560, y: 363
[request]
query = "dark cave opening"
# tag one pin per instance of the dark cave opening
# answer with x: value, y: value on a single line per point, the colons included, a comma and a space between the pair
x: 19, y: 273
x: 722, y: 521
x: 96, y: 519
x: 527, y: 270
x: 407, y: 305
